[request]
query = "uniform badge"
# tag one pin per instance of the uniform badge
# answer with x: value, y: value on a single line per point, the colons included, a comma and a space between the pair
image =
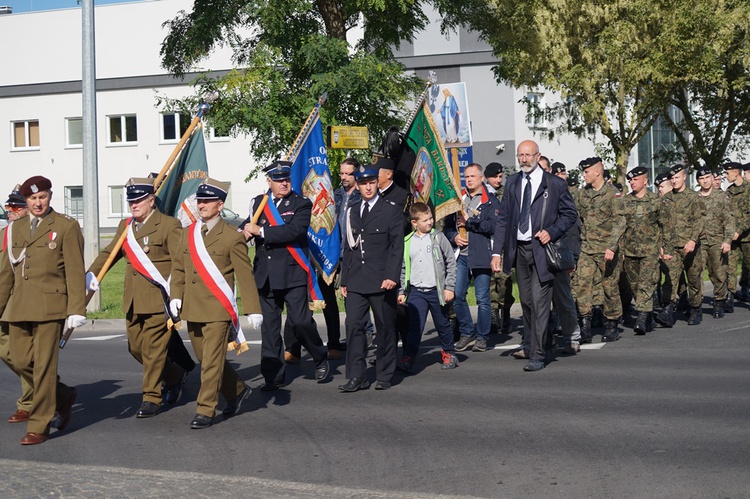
x: 52, y: 244
x: 146, y: 249
x: 286, y: 203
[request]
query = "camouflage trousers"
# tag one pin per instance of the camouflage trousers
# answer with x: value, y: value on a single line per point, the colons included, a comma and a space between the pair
x: 717, y: 264
x: 501, y: 291
x: 641, y: 276
x: 594, y: 271
x: 739, y: 250
x: 692, y: 265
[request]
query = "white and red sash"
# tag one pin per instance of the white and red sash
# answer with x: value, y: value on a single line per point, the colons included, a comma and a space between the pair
x: 144, y: 266
x: 213, y: 278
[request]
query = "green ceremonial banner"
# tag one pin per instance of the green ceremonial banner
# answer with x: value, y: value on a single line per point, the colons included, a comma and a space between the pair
x: 177, y: 196
x: 431, y: 177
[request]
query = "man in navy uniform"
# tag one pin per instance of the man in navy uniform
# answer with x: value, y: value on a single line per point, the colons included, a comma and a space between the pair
x: 371, y: 270
x: 280, y: 279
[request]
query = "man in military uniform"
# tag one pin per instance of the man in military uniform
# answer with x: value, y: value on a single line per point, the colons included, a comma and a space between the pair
x: 389, y: 190
x: 371, y: 271
x: 280, y: 279
x: 601, y: 213
x: 716, y: 238
x: 640, y: 247
x: 42, y: 291
x: 664, y: 284
x: 684, y: 215
x: 212, y: 256
x: 739, y: 196
x: 153, y: 240
x: 501, y: 285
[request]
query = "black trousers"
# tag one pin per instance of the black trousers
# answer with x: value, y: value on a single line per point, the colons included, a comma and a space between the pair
x: 330, y: 315
x: 298, y: 317
x: 536, y: 297
x: 383, y: 307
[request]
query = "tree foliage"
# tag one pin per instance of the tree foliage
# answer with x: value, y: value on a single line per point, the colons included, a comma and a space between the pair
x: 289, y: 52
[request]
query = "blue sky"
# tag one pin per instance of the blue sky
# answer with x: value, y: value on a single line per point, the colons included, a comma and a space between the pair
x: 37, y: 5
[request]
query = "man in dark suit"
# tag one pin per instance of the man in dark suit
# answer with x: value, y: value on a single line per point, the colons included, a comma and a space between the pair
x: 371, y: 270
x: 281, y: 280
x: 520, y: 236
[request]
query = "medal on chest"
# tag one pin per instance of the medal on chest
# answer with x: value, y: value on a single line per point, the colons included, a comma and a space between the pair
x: 52, y: 244
x: 146, y: 249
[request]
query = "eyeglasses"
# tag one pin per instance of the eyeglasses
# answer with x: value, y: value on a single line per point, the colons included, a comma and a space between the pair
x: 14, y: 209
x: 525, y: 155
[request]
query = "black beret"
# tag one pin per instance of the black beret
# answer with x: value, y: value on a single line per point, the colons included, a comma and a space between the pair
x: 557, y: 167
x: 636, y: 172
x: 732, y: 165
x: 676, y: 169
x: 493, y: 170
x: 662, y: 177
x: 702, y: 171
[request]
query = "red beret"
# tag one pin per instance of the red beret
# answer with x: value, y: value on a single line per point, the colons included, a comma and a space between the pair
x: 35, y: 184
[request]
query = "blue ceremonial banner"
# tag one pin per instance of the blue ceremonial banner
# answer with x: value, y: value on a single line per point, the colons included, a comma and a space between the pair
x: 311, y: 177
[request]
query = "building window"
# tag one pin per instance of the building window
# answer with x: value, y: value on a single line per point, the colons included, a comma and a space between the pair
x: 123, y: 129
x: 174, y: 126
x: 218, y: 134
x: 73, y: 132
x: 74, y: 202
x: 118, y: 206
x: 25, y: 134
x: 534, y: 112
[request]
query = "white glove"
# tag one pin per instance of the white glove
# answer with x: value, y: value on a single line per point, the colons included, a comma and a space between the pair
x: 175, y: 306
x: 256, y: 320
x: 75, y: 321
x: 92, y: 283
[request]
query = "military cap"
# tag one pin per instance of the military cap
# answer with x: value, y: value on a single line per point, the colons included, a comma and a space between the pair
x: 138, y: 188
x: 732, y: 165
x: 366, y: 172
x: 379, y: 161
x: 662, y: 177
x: 557, y: 167
x: 212, y: 189
x: 589, y: 162
x: 746, y: 167
x: 717, y: 172
x: 676, y: 169
x: 606, y: 175
x: 493, y: 170
x: 34, y: 184
x: 279, y: 170
x: 15, y: 198
x: 703, y: 170
x: 636, y: 172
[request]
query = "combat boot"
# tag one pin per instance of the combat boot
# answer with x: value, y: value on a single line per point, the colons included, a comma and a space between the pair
x: 665, y: 317
x: 696, y: 315
x: 627, y: 316
x: 506, y: 323
x: 650, y: 322
x: 585, y: 329
x: 745, y: 293
x: 718, y: 309
x: 641, y: 323
x: 611, y: 333
x: 729, y: 304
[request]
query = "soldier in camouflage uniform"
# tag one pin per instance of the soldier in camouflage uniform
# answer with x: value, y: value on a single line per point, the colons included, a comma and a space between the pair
x: 739, y: 196
x: 685, y: 213
x: 501, y: 285
x: 640, y: 247
x: 716, y: 240
x: 601, y: 212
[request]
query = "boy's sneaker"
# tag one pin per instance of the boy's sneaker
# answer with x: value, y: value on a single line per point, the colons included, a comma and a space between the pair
x: 450, y: 361
x: 480, y: 346
x: 406, y: 365
x: 464, y: 343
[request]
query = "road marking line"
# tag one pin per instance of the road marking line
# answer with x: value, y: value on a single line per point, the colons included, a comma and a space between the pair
x: 100, y: 338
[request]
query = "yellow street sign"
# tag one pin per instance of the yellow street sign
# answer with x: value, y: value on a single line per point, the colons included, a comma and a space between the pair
x: 347, y: 137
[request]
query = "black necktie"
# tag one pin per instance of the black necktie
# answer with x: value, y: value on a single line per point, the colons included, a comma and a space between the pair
x: 523, y: 225
x: 365, y: 212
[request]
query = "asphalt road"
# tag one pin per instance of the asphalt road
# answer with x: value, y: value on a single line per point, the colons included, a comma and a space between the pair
x: 665, y: 415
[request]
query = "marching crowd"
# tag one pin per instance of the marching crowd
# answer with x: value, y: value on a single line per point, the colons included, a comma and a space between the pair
x: 633, y: 255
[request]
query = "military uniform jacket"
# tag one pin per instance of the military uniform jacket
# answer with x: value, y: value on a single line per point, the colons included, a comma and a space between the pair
x: 49, y: 283
x: 739, y: 197
x: 379, y: 251
x: 273, y: 262
x: 159, y: 237
x: 602, y: 217
x: 401, y: 198
x: 643, y: 235
x: 718, y: 226
x: 229, y: 253
x: 684, y: 215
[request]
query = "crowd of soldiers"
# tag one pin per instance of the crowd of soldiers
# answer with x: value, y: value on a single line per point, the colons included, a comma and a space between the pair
x: 635, y: 253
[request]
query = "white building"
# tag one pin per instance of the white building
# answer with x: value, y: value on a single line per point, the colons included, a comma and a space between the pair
x: 40, y: 103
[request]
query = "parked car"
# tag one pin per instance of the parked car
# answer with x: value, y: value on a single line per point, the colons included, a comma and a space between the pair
x: 231, y: 217
x: 3, y: 218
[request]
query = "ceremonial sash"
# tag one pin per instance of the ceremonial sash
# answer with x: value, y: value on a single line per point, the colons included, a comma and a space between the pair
x: 144, y: 266
x: 213, y: 278
x: 274, y: 219
x: 8, y: 245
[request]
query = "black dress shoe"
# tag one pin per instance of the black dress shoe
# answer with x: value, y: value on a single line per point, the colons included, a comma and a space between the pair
x: 148, y: 410
x: 322, y: 371
x: 355, y: 384
x: 200, y: 421
x: 269, y: 387
x: 233, y: 406
x: 172, y: 393
x: 382, y: 385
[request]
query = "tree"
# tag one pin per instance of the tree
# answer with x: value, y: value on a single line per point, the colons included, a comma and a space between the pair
x: 288, y: 53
